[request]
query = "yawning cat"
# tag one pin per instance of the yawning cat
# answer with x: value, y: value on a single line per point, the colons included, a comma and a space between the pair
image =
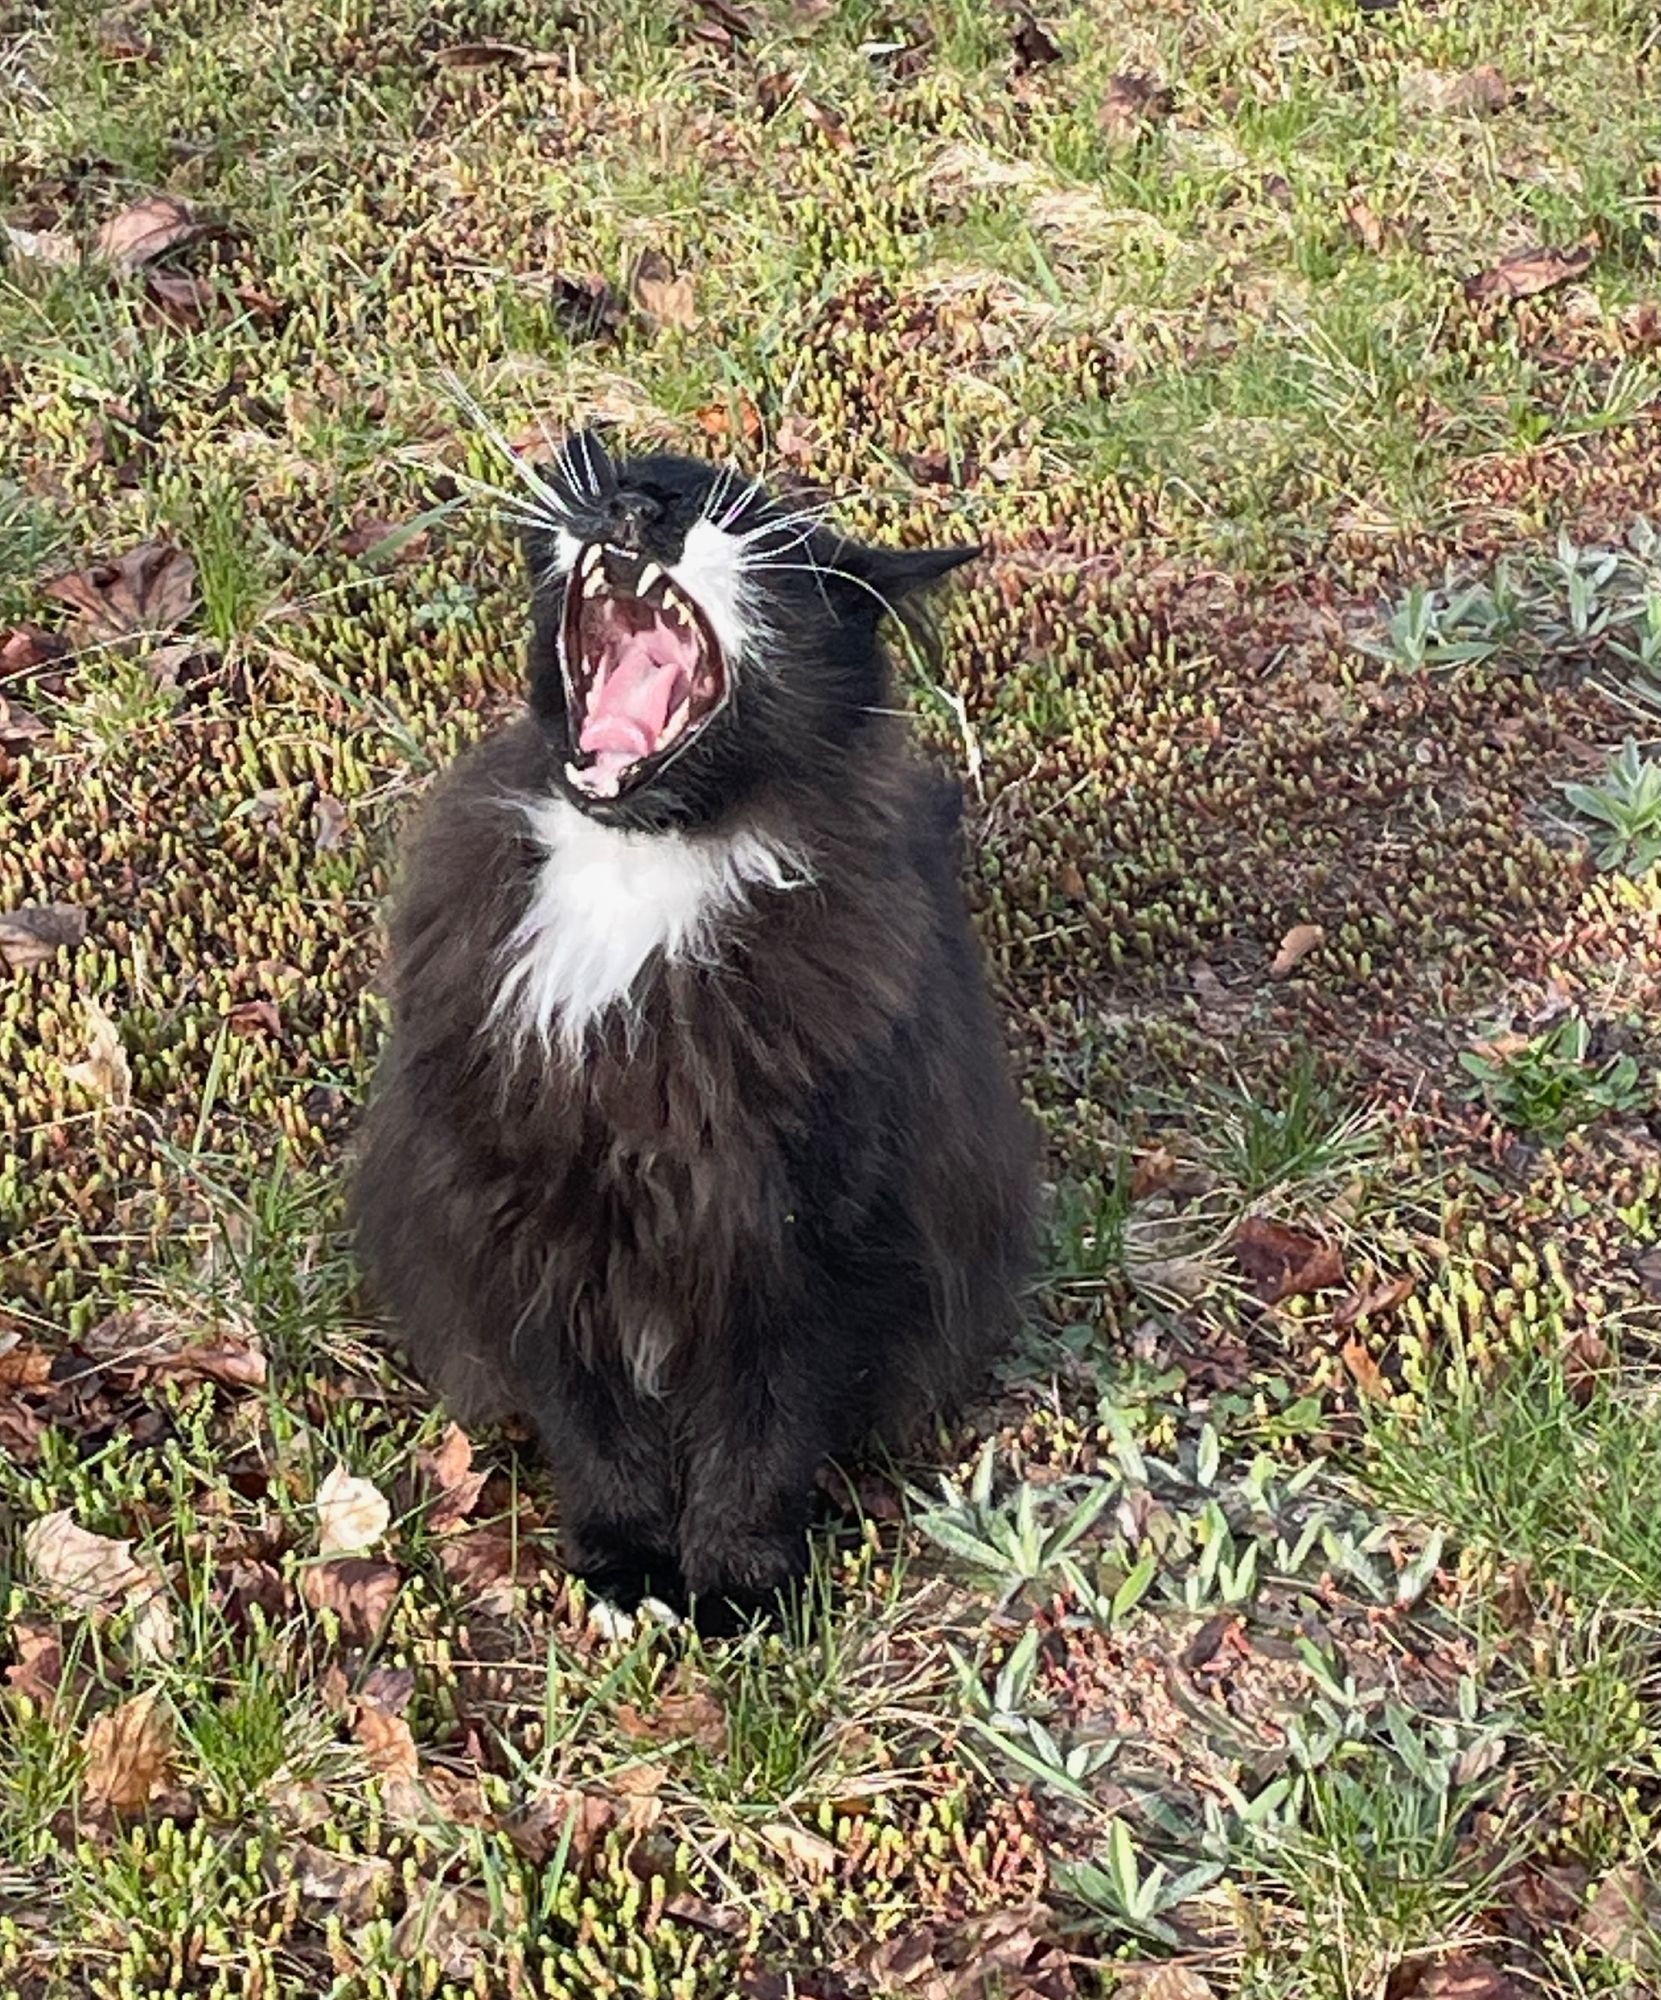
x: 694, y: 1143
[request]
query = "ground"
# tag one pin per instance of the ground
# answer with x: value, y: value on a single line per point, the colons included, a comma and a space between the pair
x: 1282, y: 1622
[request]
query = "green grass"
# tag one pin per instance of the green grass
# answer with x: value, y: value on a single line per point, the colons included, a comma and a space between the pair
x: 1308, y: 1641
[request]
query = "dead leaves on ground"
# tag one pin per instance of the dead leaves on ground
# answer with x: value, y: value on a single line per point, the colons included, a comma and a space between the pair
x: 359, y: 1590
x: 1009, y: 1952
x: 39, y: 931
x: 352, y: 1513
x: 82, y: 1571
x: 1284, y: 1263
x: 666, y: 296
x: 148, y: 592
x: 1526, y: 272
x: 129, y: 1756
x: 1133, y: 101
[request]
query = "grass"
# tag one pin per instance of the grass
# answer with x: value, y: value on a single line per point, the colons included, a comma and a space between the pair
x: 1308, y: 1641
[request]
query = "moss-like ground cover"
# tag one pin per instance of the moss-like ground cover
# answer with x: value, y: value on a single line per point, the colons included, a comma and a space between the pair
x: 1285, y: 1623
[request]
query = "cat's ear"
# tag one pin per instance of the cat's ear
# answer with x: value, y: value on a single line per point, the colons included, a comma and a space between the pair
x: 896, y: 574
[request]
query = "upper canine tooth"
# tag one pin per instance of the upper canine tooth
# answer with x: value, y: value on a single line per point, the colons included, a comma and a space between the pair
x: 593, y: 583
x: 590, y: 557
x: 648, y: 576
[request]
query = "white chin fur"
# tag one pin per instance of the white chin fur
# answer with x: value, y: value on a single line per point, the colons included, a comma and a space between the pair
x: 605, y: 901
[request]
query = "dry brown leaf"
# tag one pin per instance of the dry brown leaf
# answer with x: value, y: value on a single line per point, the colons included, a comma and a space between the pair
x: 1374, y: 1303
x: 579, y: 1820
x: 351, y: 1881
x: 667, y: 296
x: 19, y: 727
x: 150, y: 590
x: 140, y: 234
x: 1458, y: 1979
x: 718, y: 1920
x: 37, y: 1670
x: 184, y: 300
x: 105, y: 1074
x: 44, y: 246
x: 452, y: 1928
x: 489, y: 1564
x: 387, y: 1740
x: 1297, y: 944
x: 359, y: 1591
x: 1483, y: 89
x: 1284, y: 1263
x: 256, y: 1017
x: 1526, y: 272
x: 81, y: 1569
x: 39, y: 931
x: 1134, y: 99
x: 1365, y: 224
x: 715, y: 420
x: 330, y: 824
x: 1165, y: 1982
x: 809, y: 1851
x: 22, y: 1366
x: 1368, y: 1376
x: 129, y: 1755
x: 121, y: 40
x: 352, y: 1513
x: 697, y: 1715
x: 1623, y: 1920
x: 1586, y: 1358
x: 153, y: 1634
x: 450, y: 1468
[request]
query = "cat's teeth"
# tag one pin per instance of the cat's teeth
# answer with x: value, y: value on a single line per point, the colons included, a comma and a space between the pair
x: 675, y: 723
x: 648, y: 576
x: 593, y: 583
x: 591, y: 560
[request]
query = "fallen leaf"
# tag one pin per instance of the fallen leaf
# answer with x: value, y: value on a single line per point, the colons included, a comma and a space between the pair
x: 1164, y: 1982
x: 353, y: 1882
x: 81, y: 1569
x: 578, y: 1820
x: 255, y: 1017
x: 1297, y: 944
x: 106, y: 1073
x: 1283, y: 1263
x: 39, y: 931
x: 44, y: 246
x: 1365, y: 224
x: 1155, y: 1169
x: 129, y: 1755
x: 19, y: 728
x: 810, y: 1851
x: 452, y: 1928
x: 1526, y: 272
x: 1586, y: 1359
x: 1623, y: 1920
x: 139, y: 234
x: 1456, y: 1979
x: 244, y: 1587
x: 153, y: 1634
x: 450, y: 1468
x: 1368, y: 1376
x: 715, y: 420
x: 360, y: 1592
x: 37, y: 1670
x: 330, y: 824
x: 22, y: 1366
x: 149, y: 590
x: 1134, y: 99
x: 26, y: 649
x: 488, y: 1565
x: 387, y: 1740
x: 184, y: 300
x: 1034, y: 45
x: 719, y: 1921
x: 666, y: 296
x: 1071, y: 883
x: 725, y: 15
x: 352, y: 1513
x: 1483, y: 89
x: 1374, y: 1304
x: 697, y: 1715
x: 586, y: 307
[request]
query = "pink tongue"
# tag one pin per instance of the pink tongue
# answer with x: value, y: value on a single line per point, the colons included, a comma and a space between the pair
x: 630, y: 710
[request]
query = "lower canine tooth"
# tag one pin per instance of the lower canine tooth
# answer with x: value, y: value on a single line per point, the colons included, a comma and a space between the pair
x: 648, y: 576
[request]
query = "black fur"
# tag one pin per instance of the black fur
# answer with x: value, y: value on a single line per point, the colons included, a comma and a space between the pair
x: 806, y: 1157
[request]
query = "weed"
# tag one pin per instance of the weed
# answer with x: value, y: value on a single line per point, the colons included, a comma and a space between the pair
x: 1546, y: 1086
x: 1626, y: 806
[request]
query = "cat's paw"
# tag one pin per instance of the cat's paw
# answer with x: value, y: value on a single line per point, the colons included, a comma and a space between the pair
x: 623, y: 1576
x: 723, y: 1614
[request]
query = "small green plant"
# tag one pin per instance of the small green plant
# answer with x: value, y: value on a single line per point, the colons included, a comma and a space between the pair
x: 1626, y: 808
x: 1546, y: 1087
x: 1304, y: 1134
x: 1009, y: 1541
x: 1139, y: 1900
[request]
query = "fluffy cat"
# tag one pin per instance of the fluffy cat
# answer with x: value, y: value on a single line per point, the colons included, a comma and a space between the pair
x: 694, y: 1143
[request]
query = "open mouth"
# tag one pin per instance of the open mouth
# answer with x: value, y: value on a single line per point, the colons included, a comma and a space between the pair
x: 643, y: 671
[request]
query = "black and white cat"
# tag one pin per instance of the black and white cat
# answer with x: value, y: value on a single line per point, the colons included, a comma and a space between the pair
x: 695, y: 1144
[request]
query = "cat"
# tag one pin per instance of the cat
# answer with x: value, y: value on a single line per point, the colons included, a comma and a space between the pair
x: 694, y: 1144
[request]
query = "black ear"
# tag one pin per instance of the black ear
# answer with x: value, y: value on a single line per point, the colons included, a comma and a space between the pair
x: 897, y: 574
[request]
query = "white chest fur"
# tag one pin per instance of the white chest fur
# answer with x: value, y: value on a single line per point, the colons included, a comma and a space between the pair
x: 606, y: 901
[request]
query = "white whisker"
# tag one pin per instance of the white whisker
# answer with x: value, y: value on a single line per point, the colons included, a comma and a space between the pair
x: 821, y: 571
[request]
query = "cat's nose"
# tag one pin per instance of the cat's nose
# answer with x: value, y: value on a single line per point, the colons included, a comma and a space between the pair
x: 628, y: 518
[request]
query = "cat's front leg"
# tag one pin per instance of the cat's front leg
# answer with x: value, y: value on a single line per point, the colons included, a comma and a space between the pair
x: 754, y: 1437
